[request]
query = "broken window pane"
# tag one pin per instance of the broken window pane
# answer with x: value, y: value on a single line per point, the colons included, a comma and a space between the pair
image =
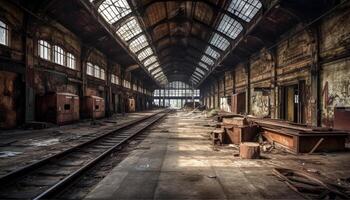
x: 145, y: 53
x: 245, y: 9
x: 130, y: 29
x: 219, y: 42
x: 138, y: 44
x: 113, y: 10
x: 230, y: 27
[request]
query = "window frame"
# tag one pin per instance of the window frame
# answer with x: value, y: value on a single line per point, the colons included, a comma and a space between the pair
x: 6, y: 30
x: 45, y: 45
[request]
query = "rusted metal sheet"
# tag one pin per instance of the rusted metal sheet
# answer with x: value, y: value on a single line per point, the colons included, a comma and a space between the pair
x: 342, y: 118
x: 58, y: 108
x: 93, y: 107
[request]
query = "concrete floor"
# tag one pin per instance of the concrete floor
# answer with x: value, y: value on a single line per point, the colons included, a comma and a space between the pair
x: 178, y: 161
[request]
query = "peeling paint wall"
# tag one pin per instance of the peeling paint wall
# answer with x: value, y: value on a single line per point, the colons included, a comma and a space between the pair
x: 335, y: 89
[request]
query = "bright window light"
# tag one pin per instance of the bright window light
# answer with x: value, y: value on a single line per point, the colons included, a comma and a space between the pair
x: 44, y: 49
x: 58, y: 55
x: 211, y: 52
x: 156, y: 71
x: 71, y: 63
x: 138, y: 44
x: 207, y: 60
x: 199, y: 75
x: 4, y: 33
x: 230, y: 27
x: 113, y: 10
x: 203, y: 65
x: 150, y: 60
x: 153, y: 66
x: 145, y: 53
x: 245, y: 9
x: 219, y: 41
x: 130, y: 29
x: 200, y: 71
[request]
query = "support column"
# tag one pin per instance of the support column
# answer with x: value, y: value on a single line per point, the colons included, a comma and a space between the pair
x: 248, y: 88
x: 315, y: 101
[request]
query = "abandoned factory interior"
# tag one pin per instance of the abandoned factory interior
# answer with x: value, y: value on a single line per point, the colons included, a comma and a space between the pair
x: 174, y: 99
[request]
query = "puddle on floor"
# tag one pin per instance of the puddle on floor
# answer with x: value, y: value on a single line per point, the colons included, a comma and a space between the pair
x: 5, y: 154
x: 44, y: 143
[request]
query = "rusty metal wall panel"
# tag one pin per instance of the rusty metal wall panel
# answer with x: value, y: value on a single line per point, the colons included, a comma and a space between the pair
x: 342, y: 118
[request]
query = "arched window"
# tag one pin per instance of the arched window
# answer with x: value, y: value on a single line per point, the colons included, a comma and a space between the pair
x: 71, y: 62
x: 44, y: 49
x: 4, y: 34
x: 58, y: 55
x: 90, y: 69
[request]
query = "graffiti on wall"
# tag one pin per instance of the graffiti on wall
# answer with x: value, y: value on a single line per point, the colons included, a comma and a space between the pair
x: 260, y: 104
x: 335, y: 93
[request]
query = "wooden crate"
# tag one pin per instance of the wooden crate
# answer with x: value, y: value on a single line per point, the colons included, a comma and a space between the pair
x: 58, y: 108
x: 93, y: 107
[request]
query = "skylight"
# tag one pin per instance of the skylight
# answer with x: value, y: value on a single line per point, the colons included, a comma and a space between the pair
x: 211, y: 52
x: 150, y: 61
x: 153, y: 66
x: 200, y: 71
x: 138, y: 44
x: 219, y: 42
x: 113, y: 10
x: 199, y: 75
x: 129, y: 29
x: 203, y: 65
x: 145, y: 53
x: 207, y: 60
x: 245, y: 9
x: 230, y: 27
x: 156, y: 71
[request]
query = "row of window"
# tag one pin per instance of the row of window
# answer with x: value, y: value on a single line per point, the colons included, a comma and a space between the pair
x: 95, y: 71
x: 56, y: 54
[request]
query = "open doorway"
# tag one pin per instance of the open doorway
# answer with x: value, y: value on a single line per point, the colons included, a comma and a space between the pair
x: 292, y: 108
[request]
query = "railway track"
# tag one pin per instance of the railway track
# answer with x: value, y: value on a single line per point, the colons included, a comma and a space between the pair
x: 48, y: 177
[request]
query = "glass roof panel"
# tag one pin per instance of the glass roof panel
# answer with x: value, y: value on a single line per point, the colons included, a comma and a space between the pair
x: 198, y: 75
x: 245, y: 9
x: 211, y: 52
x: 113, y: 10
x: 207, y: 60
x: 130, y: 29
x: 219, y: 41
x: 230, y: 27
x: 138, y: 44
x: 150, y: 60
x: 145, y: 53
x: 203, y: 65
x: 200, y: 71
x: 153, y: 66
x: 156, y: 71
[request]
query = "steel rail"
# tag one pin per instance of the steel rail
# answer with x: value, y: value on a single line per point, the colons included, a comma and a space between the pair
x: 61, y: 184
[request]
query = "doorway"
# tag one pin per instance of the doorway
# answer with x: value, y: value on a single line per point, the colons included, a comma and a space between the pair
x: 292, y: 108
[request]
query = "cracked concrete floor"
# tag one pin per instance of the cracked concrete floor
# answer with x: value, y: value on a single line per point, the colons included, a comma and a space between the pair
x: 178, y: 161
